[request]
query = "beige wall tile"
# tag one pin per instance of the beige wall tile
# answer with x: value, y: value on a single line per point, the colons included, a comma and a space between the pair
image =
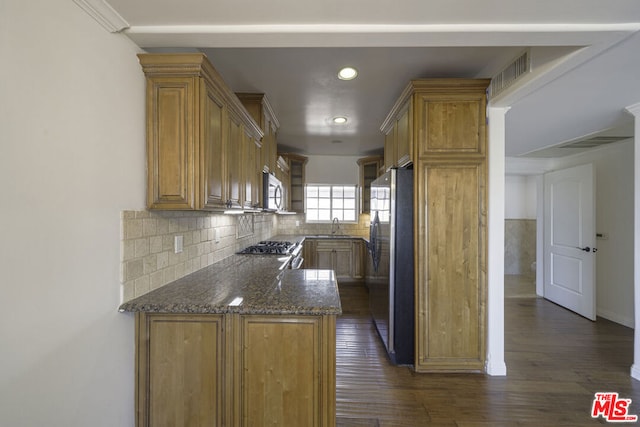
x: 147, y: 239
x: 149, y: 227
x: 133, y: 269
x: 141, y: 247
x: 155, y: 244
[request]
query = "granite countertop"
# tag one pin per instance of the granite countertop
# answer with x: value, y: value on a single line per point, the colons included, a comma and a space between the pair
x: 245, y: 284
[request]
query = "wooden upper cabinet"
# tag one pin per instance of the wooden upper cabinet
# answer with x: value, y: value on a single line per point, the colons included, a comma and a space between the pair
x: 213, y: 160
x: 370, y: 168
x: 234, y: 161
x: 398, y: 131
x: 404, y: 138
x: 251, y: 170
x: 452, y: 124
x: 195, y: 129
x: 171, y: 142
x: 258, y: 105
x: 296, y: 181
x: 390, y: 147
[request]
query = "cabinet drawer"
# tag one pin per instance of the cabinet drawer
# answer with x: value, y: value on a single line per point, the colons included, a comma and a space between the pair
x: 333, y: 244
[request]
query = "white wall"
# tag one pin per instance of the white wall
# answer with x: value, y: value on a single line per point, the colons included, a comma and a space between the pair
x: 520, y: 197
x: 332, y: 170
x: 614, y: 216
x: 71, y: 158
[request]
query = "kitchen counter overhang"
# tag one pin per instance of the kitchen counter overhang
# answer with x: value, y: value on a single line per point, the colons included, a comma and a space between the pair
x: 245, y: 285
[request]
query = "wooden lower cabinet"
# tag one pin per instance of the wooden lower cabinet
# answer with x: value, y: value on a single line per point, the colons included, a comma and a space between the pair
x: 344, y: 256
x: 235, y: 370
x: 288, y: 371
x: 180, y: 370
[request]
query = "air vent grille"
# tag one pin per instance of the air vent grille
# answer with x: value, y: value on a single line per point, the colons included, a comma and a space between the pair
x: 511, y: 73
x: 575, y: 147
x: 596, y: 141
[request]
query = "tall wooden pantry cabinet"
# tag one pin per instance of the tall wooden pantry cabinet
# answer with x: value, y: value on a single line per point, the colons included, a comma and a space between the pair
x: 446, y: 140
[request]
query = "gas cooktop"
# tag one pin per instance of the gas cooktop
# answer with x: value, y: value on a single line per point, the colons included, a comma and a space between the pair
x: 268, y: 247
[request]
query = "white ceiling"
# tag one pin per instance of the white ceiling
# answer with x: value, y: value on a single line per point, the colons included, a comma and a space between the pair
x: 585, y: 61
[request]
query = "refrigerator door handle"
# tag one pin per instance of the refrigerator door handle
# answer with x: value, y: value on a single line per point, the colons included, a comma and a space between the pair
x: 375, y: 245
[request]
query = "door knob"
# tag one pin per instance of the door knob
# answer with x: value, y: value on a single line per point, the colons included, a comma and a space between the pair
x: 587, y: 249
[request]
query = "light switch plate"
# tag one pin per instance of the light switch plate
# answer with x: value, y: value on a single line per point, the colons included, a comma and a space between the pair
x: 177, y: 244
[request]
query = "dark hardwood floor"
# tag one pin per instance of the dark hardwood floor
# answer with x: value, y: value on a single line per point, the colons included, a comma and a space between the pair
x: 556, y: 361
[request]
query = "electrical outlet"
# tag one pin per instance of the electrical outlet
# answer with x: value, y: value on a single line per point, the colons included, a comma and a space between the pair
x: 177, y: 244
x: 297, y: 223
x: 216, y: 235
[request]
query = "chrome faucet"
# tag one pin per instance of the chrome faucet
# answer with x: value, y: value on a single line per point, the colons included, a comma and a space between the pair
x: 335, y: 221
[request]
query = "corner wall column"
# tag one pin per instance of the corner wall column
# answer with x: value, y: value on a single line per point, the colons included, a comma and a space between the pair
x: 635, y: 111
x: 495, y: 364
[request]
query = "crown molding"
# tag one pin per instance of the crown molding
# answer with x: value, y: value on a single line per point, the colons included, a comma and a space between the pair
x: 104, y: 14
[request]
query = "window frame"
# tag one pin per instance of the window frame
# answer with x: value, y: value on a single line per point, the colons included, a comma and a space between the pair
x: 331, y: 207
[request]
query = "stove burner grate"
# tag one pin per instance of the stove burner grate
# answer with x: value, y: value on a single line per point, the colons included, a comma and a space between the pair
x: 269, y: 247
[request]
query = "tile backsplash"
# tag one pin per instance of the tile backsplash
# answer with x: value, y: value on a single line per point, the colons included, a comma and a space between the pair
x: 147, y: 239
x: 295, y: 224
x: 519, y: 246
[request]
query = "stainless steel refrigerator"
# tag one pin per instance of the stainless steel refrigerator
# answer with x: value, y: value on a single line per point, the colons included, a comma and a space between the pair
x: 390, y: 281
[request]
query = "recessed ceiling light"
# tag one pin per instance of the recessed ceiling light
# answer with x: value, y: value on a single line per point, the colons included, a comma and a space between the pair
x: 347, y: 73
x: 339, y: 120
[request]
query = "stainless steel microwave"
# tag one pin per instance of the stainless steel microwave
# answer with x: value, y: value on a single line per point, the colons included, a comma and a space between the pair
x: 272, y: 193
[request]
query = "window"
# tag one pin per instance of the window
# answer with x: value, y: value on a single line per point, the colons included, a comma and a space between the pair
x: 325, y: 202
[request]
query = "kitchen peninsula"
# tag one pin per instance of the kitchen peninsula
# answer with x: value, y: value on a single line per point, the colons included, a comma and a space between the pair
x: 238, y: 343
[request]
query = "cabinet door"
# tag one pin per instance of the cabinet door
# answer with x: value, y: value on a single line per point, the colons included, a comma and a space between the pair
x: 452, y: 124
x: 171, y: 142
x: 335, y: 255
x: 213, y: 157
x: 248, y: 164
x: 451, y: 264
x: 234, y: 157
x: 369, y: 171
x: 390, y: 148
x: 343, y: 262
x: 324, y: 257
x: 358, y: 263
x: 268, y: 145
x: 180, y: 370
x: 284, y: 371
x: 404, y: 138
x: 309, y: 253
x: 258, y: 167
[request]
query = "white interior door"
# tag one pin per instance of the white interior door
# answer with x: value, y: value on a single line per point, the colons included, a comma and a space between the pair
x: 569, y: 237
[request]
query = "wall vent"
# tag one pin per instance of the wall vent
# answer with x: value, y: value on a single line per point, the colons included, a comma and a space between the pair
x: 510, y: 74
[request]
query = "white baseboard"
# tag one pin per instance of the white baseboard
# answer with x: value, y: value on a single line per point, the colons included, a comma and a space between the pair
x: 495, y: 369
x: 635, y: 371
